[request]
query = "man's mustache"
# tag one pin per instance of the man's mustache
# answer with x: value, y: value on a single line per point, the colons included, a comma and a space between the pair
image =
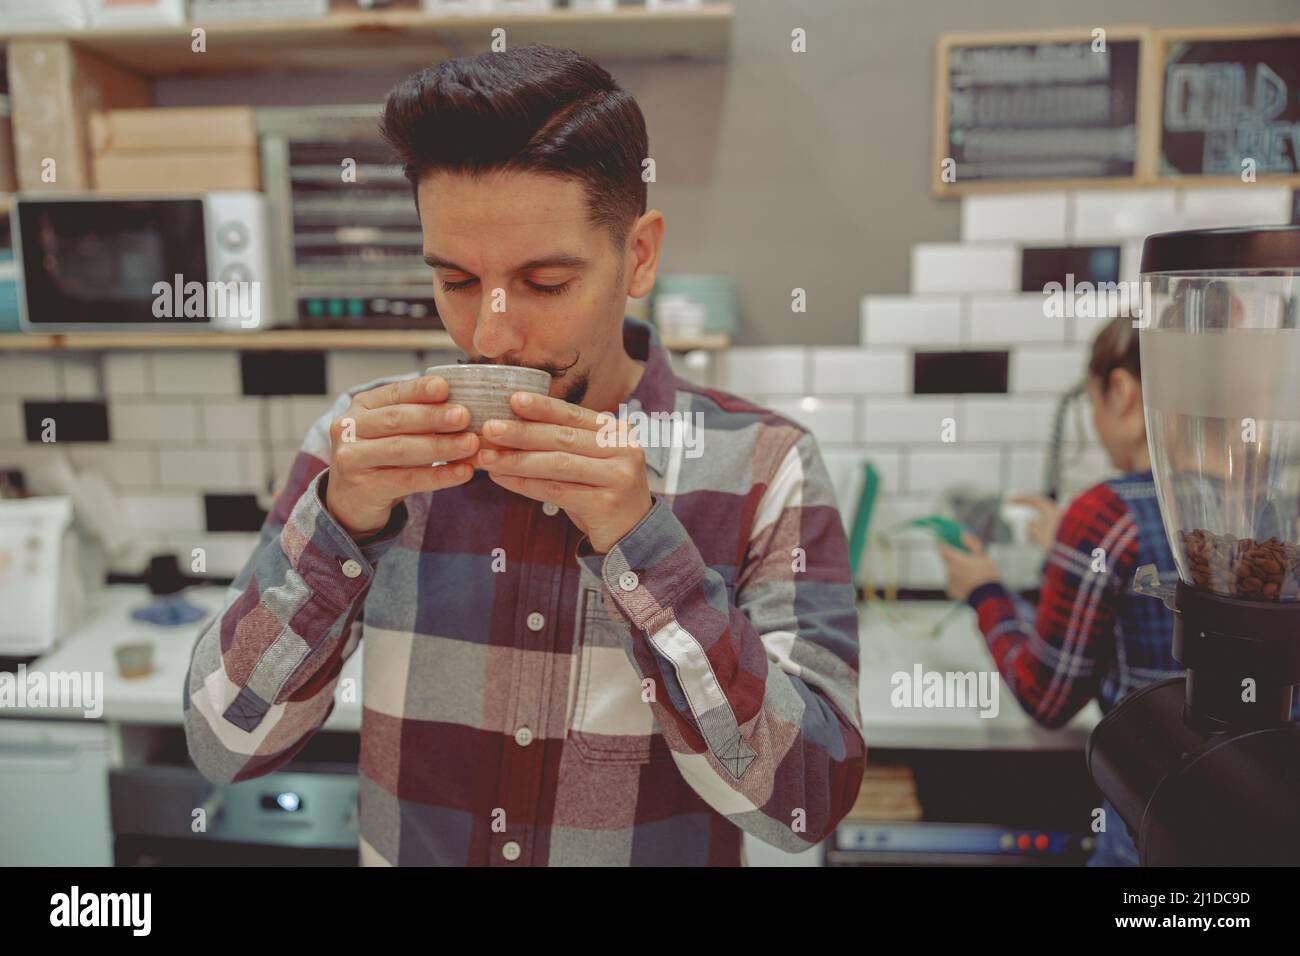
x: 551, y: 369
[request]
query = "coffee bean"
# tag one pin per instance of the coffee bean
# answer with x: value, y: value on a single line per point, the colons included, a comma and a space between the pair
x: 1242, y: 567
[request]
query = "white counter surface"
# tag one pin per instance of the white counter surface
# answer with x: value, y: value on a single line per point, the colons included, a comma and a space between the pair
x: 155, y: 699
x: 885, y: 649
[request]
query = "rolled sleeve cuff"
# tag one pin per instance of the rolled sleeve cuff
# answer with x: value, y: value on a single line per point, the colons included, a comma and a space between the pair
x: 329, y: 560
x: 648, y: 568
x: 987, y: 590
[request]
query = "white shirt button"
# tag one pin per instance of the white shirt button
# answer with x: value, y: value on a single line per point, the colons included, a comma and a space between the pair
x: 523, y: 736
x: 628, y: 581
x: 510, y: 851
x: 535, y: 621
x: 550, y: 509
x: 351, y: 569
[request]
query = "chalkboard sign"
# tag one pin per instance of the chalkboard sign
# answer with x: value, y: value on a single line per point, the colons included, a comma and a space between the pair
x: 1230, y: 103
x: 1061, y: 109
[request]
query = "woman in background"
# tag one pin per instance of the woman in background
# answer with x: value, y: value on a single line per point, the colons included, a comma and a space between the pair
x: 1092, y: 637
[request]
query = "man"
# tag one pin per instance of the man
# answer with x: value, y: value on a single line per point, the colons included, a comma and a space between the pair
x: 579, y: 648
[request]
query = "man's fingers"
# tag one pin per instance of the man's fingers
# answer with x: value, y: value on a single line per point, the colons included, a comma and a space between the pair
x: 426, y: 388
x: 400, y: 482
x: 539, y: 489
x: 406, y: 419
x: 543, y: 408
x: 406, y: 450
x: 551, y: 465
x: 543, y: 436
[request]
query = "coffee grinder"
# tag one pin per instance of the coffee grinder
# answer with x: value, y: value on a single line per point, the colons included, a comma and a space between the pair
x: 1205, y: 768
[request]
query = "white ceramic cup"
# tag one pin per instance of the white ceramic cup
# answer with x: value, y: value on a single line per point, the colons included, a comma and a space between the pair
x: 486, y: 389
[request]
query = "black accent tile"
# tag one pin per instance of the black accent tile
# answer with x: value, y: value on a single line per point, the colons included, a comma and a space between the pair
x: 73, y: 421
x: 1039, y: 266
x: 951, y: 373
x: 232, y: 513
x: 282, y: 373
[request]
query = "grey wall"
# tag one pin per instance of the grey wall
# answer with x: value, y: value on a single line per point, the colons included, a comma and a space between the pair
x: 784, y: 169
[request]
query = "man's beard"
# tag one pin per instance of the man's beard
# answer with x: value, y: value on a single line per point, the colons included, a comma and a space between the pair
x: 576, y: 390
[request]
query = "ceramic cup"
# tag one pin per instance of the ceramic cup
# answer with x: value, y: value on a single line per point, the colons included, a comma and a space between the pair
x: 486, y: 389
x: 134, y: 660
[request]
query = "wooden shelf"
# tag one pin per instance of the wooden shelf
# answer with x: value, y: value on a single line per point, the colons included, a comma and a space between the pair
x: 702, y: 343
x: 413, y: 340
x: 397, y: 39
x: 272, y: 339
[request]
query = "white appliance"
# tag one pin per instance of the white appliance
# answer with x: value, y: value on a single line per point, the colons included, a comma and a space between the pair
x: 54, y: 808
x: 192, y: 261
x: 41, y: 587
x: 54, y: 550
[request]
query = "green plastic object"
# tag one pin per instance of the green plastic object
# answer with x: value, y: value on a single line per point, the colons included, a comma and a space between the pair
x: 862, y: 517
x: 945, y: 529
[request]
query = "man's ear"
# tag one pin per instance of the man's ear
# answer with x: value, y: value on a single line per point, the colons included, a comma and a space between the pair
x: 644, y: 240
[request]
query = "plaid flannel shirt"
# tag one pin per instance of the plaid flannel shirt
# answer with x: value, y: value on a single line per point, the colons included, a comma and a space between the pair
x: 526, y: 701
x: 1092, y: 636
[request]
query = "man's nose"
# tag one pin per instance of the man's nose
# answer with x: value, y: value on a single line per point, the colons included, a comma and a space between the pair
x: 495, y: 332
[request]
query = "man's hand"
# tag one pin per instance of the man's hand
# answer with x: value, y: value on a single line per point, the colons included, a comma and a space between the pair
x: 966, y: 572
x: 383, y: 447
x: 555, y: 455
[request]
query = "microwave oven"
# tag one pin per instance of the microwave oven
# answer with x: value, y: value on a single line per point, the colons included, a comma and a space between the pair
x: 174, y: 262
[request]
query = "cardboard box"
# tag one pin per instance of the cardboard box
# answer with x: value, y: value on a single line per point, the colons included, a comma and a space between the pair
x: 177, y: 170
x: 216, y: 127
x: 53, y: 88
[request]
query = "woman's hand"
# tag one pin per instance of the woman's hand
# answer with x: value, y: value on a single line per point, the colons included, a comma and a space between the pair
x: 1042, y: 528
x: 966, y: 572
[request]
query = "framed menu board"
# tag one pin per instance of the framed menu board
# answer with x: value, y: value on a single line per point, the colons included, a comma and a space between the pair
x: 1051, y: 108
x: 1230, y: 104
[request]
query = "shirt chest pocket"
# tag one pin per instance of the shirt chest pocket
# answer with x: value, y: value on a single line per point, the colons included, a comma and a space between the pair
x: 610, y: 718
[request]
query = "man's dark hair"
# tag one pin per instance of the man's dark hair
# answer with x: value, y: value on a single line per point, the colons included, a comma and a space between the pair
x: 530, y: 109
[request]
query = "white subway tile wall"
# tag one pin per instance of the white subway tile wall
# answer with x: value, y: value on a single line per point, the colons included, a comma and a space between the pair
x: 966, y: 296
x: 910, y: 320
x: 774, y: 371
x: 853, y: 370
x: 1011, y: 319
x: 11, y: 419
x: 197, y: 371
x: 179, y: 428
x: 231, y: 419
x: 1102, y: 215
x: 128, y: 373
x: 1044, y: 370
x: 830, y: 419
x: 1024, y: 217
x: 906, y: 420
x: 81, y: 375
x: 345, y: 369
x: 30, y: 376
x: 1254, y: 204
x: 938, y: 468
x: 147, y: 419
x: 957, y: 267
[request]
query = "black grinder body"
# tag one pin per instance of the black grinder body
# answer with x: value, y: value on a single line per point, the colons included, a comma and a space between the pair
x: 1205, y: 768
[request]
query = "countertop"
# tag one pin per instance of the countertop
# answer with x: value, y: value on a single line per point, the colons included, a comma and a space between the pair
x: 890, y: 643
